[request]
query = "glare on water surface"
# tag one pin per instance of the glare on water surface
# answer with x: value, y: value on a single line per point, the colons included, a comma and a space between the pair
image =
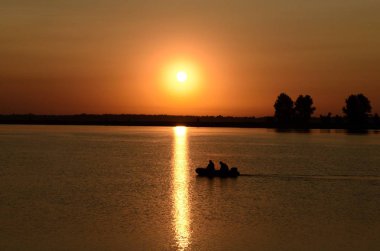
x: 181, y: 222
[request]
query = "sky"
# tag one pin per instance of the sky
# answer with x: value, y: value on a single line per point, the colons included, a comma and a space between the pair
x: 82, y: 56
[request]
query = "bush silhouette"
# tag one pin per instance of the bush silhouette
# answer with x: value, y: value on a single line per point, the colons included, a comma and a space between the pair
x: 376, y: 121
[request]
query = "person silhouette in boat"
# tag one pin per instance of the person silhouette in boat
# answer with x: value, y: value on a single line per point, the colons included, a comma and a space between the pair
x: 223, y: 167
x: 210, y: 166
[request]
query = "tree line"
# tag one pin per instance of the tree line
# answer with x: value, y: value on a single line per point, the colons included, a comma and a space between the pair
x: 289, y: 114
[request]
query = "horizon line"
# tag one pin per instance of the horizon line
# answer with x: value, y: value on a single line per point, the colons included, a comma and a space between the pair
x: 142, y: 114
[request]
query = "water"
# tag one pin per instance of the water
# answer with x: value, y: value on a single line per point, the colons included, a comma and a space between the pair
x: 134, y: 188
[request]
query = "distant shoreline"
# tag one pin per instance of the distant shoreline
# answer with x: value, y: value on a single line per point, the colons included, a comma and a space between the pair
x: 166, y: 120
x: 135, y: 120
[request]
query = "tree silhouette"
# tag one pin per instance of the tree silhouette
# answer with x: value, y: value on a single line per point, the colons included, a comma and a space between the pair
x: 357, y: 110
x: 303, y: 109
x: 284, y: 111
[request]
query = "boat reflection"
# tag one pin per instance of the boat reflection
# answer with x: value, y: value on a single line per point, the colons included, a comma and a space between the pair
x: 181, y: 222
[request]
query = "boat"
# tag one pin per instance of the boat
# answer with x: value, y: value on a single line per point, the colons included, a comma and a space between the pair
x: 204, y: 172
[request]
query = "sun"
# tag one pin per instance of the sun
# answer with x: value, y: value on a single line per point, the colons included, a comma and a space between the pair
x: 181, y: 79
x: 181, y: 76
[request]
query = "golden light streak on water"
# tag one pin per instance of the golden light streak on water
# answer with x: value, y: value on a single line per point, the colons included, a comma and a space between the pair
x: 181, y: 222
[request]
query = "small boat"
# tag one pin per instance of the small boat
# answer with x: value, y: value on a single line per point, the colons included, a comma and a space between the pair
x: 233, y: 172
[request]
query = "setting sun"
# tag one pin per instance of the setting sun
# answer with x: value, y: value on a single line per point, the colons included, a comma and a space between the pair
x: 181, y: 76
x: 181, y: 80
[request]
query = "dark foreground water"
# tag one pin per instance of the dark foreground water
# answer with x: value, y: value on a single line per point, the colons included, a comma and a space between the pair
x: 134, y: 188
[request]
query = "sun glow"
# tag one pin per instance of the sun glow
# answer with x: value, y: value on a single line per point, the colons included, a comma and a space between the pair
x: 182, y: 76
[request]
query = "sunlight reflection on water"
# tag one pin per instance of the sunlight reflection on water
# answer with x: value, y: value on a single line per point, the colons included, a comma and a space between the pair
x: 134, y: 188
x: 181, y: 223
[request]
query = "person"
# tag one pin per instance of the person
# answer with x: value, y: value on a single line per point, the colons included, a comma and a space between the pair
x: 211, y: 166
x: 223, y: 167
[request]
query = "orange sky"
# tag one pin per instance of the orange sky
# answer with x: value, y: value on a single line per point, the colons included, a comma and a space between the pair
x: 64, y: 57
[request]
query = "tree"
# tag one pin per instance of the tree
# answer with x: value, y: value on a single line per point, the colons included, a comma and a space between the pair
x: 303, y: 109
x: 284, y: 111
x: 357, y: 110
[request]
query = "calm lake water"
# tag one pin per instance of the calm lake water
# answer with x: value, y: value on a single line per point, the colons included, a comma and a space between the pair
x: 134, y: 188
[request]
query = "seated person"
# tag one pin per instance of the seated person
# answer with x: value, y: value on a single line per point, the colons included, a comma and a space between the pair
x: 223, y: 167
x: 210, y: 166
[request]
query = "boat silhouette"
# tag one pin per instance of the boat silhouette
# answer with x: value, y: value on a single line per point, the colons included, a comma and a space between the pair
x: 205, y: 172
